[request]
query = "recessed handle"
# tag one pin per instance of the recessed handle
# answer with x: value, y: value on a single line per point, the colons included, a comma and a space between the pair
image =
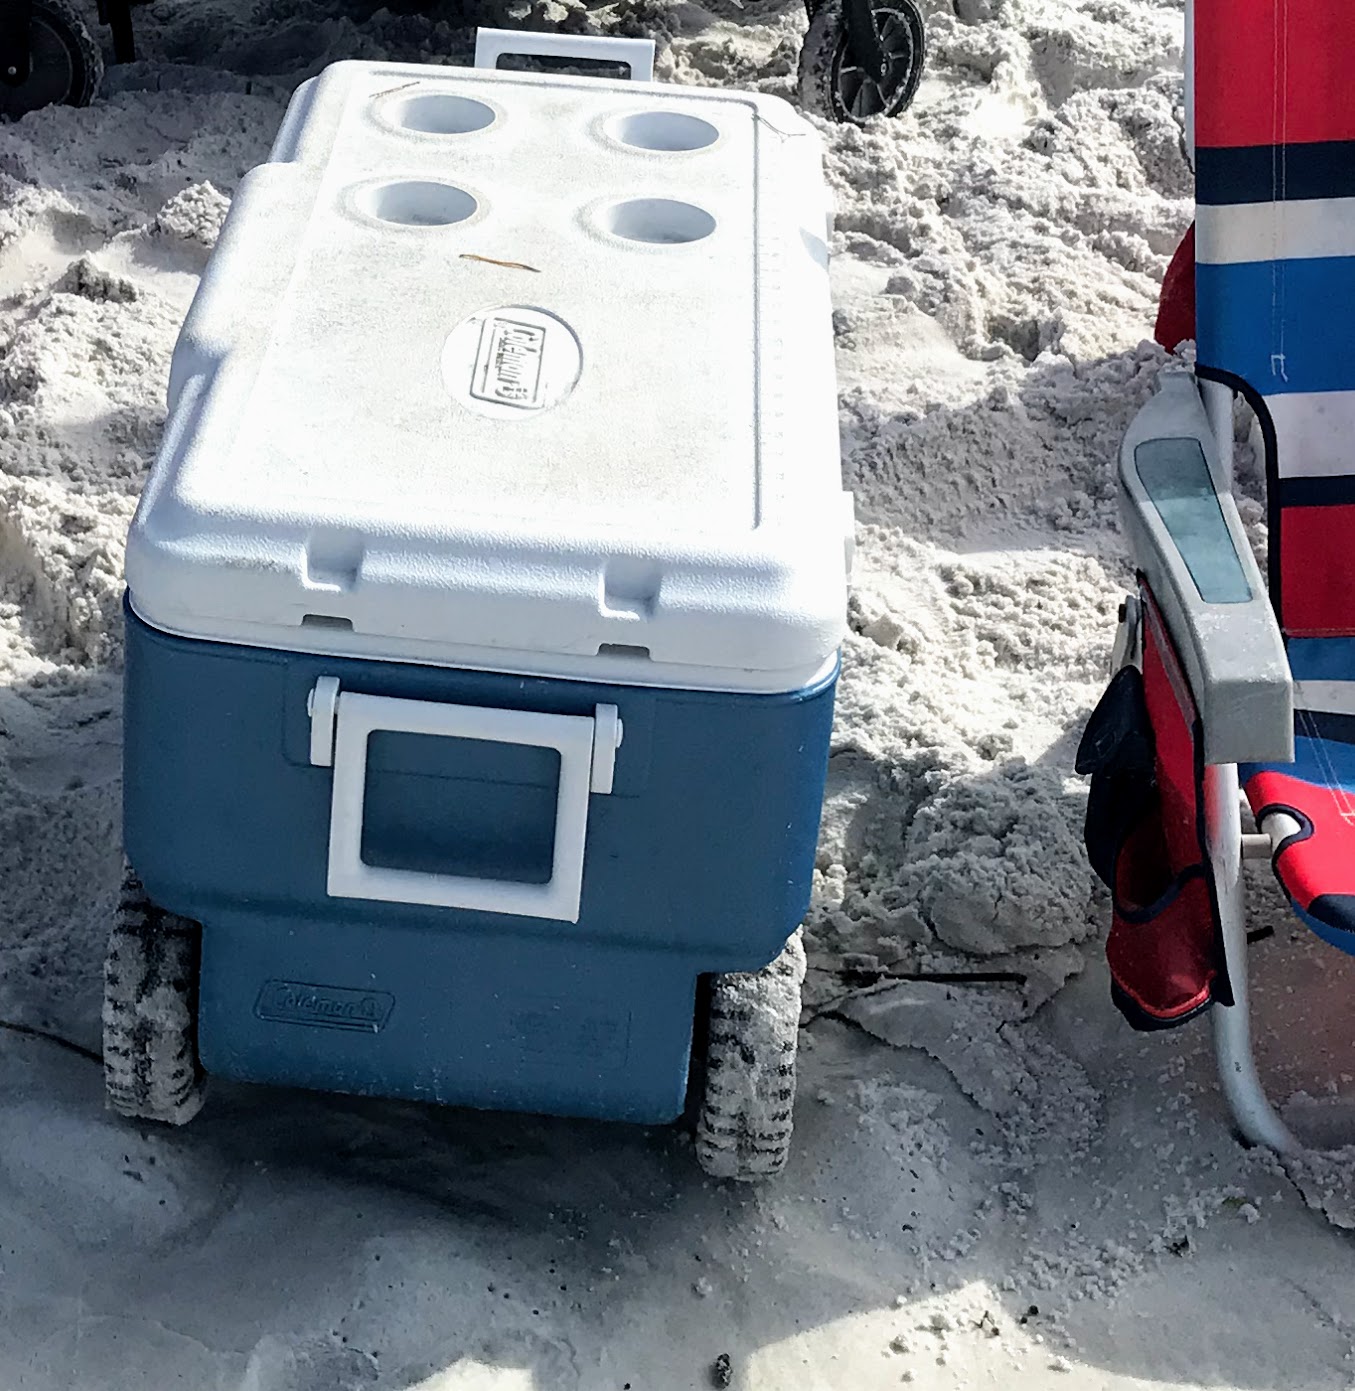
x: 636, y: 55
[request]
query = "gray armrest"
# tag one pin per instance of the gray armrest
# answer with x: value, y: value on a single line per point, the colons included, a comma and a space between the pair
x: 1188, y: 540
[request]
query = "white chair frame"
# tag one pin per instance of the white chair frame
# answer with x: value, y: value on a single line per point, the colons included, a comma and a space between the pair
x: 1228, y: 848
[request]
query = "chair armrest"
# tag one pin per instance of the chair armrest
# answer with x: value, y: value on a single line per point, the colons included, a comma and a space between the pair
x: 1188, y: 541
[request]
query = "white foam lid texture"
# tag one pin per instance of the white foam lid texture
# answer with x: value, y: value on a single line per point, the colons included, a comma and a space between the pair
x: 484, y: 371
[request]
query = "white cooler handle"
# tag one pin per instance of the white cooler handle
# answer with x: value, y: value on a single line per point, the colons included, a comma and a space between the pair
x: 636, y: 54
x: 342, y: 723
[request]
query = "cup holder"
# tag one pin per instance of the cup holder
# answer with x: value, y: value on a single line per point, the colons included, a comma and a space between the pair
x: 667, y: 132
x: 657, y: 221
x: 442, y: 113
x: 416, y: 203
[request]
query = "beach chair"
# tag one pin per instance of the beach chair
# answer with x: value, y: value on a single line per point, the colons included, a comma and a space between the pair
x: 1227, y: 683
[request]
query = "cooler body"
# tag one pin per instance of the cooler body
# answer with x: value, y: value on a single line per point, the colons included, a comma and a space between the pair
x: 698, y: 859
x: 486, y: 594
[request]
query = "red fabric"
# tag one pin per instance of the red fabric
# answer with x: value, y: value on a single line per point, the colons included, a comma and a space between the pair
x: 1273, y: 72
x: 1176, y: 304
x: 1317, y: 593
x: 1322, y: 864
x: 1172, y: 715
x: 1163, y: 948
x: 1163, y: 957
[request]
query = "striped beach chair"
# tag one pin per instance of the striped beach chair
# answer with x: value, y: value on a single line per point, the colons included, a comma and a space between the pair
x: 1228, y: 683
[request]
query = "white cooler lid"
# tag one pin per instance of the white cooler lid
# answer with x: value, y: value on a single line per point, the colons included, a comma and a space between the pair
x: 514, y: 372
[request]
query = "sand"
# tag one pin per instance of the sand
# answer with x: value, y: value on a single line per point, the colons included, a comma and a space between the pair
x: 995, y: 1181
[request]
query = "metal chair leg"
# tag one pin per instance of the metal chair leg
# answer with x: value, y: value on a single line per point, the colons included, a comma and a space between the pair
x: 1256, y: 1118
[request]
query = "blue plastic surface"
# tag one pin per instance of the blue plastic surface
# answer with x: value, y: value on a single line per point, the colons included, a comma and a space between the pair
x: 699, y: 860
x: 1282, y: 326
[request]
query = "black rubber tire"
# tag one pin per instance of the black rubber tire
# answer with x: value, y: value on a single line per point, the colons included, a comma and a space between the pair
x: 67, y: 66
x: 150, y: 1011
x: 828, y: 84
x: 746, y: 1119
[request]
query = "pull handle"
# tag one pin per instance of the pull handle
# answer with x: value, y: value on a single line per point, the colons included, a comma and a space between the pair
x: 636, y: 55
x: 586, y: 745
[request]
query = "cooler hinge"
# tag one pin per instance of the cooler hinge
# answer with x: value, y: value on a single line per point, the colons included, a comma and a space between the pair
x: 322, y: 705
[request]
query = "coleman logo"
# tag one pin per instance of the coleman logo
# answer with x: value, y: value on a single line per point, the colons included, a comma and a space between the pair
x: 509, y: 362
x: 325, y: 1006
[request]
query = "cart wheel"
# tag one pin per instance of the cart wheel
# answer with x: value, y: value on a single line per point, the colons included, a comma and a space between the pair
x: 835, y: 84
x: 150, y: 1012
x: 743, y: 1130
x: 65, y: 65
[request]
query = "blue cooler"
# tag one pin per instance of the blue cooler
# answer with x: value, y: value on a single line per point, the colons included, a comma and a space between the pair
x: 483, y: 611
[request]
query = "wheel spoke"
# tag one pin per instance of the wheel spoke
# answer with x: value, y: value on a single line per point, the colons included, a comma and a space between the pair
x: 896, y: 36
x: 868, y: 101
x: 896, y: 74
x: 900, y: 50
x: 849, y: 84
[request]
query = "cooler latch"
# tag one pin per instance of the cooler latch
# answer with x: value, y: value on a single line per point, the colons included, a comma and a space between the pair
x: 343, y: 721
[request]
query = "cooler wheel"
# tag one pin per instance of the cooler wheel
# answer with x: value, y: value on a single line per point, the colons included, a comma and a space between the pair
x: 841, y: 79
x: 743, y: 1130
x: 63, y: 64
x: 151, y: 1068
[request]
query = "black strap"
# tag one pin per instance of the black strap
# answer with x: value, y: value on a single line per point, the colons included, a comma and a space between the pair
x: 1119, y: 732
x: 1117, y: 749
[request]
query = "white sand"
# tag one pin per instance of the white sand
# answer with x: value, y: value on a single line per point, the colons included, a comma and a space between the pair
x: 994, y: 1184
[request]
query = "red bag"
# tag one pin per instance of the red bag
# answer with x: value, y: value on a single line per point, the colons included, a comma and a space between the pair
x: 1145, y: 839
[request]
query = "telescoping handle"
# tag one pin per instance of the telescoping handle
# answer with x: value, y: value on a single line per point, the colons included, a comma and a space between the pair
x: 343, y: 721
x: 636, y: 55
